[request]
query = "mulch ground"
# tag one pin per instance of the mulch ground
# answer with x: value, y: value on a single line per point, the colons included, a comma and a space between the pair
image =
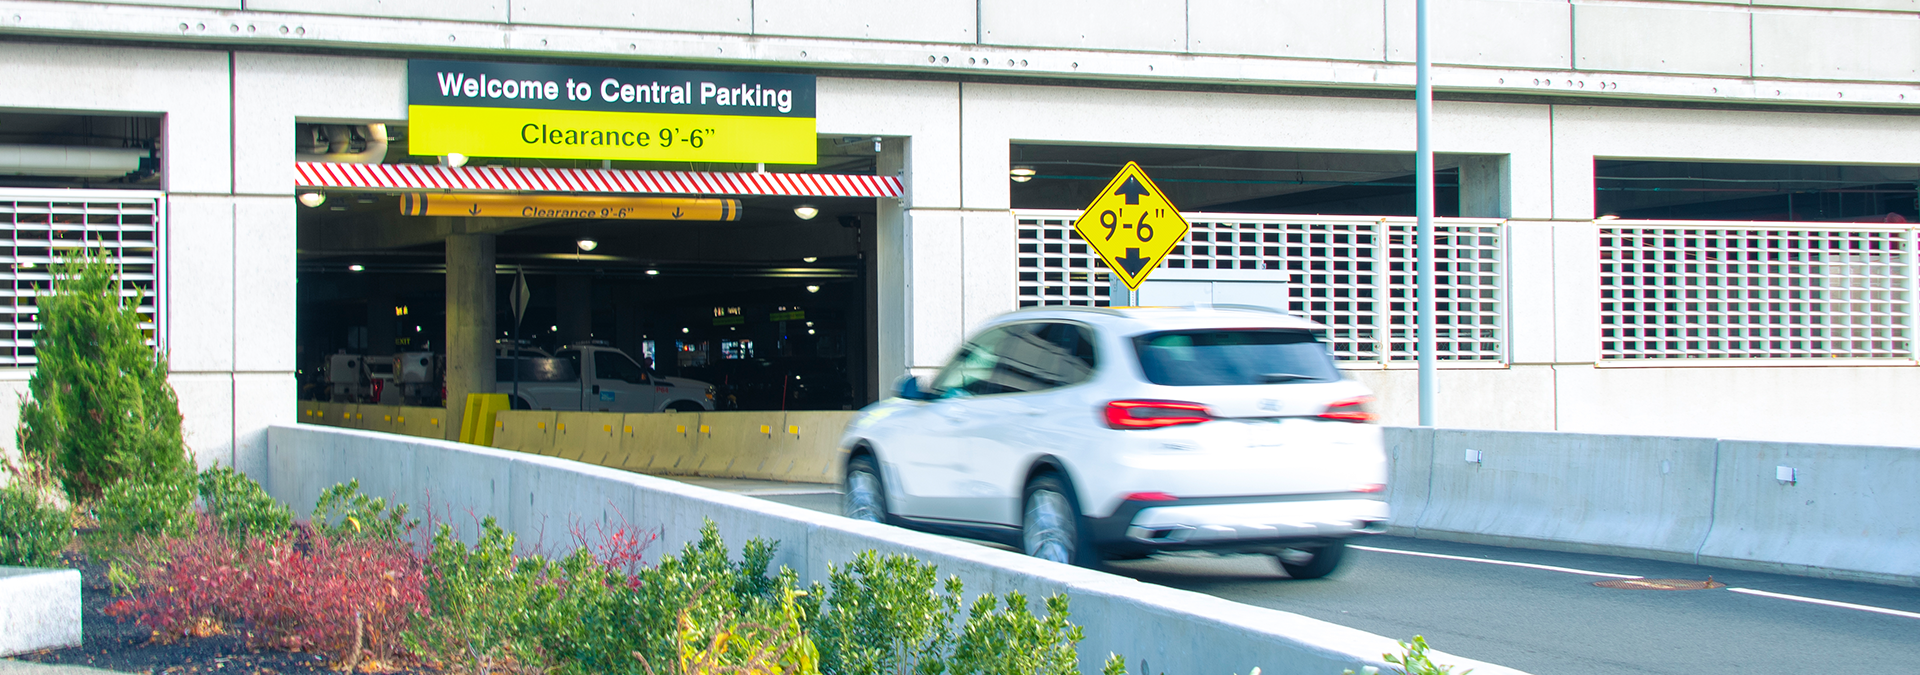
x: 127, y: 647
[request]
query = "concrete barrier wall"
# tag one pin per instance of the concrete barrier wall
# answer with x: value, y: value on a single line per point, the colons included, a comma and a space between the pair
x: 798, y: 446
x: 406, y: 420
x: 1852, y: 515
x: 541, y: 499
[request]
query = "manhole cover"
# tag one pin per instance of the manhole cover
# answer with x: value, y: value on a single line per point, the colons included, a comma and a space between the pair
x: 1660, y: 584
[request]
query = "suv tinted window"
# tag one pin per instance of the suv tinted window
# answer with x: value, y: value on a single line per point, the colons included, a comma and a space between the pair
x: 1233, y: 357
x: 1036, y: 356
x: 971, y: 370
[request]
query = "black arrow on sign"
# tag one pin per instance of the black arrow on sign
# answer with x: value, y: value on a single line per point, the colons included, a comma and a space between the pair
x: 676, y: 212
x: 1133, y: 263
x: 474, y: 211
x: 1132, y: 190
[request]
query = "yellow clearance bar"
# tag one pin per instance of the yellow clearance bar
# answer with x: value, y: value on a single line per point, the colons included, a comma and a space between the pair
x: 593, y: 134
x: 566, y: 206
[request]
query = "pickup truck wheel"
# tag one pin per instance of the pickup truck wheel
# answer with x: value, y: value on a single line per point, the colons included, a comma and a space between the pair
x: 685, y: 406
x: 1312, y: 563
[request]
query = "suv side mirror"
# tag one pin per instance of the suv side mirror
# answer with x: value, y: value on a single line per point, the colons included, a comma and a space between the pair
x: 910, y: 389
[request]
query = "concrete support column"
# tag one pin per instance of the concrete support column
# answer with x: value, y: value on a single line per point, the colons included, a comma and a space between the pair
x: 470, y: 330
x: 573, y: 306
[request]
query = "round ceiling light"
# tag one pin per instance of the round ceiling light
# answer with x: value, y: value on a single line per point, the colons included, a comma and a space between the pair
x: 805, y: 212
x: 1021, y: 174
x: 454, y: 159
x: 357, y: 268
x: 313, y: 200
x: 586, y: 244
x: 813, y: 289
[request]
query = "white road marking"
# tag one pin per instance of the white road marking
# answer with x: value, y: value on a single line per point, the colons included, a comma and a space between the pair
x: 1829, y: 603
x: 1548, y: 568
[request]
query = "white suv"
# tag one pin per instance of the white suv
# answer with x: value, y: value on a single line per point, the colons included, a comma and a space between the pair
x: 1079, y: 434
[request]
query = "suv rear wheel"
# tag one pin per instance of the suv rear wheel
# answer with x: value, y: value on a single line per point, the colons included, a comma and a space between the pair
x: 866, y: 496
x: 1312, y: 563
x: 1052, y: 528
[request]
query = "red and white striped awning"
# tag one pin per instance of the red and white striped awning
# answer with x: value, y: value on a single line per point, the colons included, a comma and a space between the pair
x: 530, y: 179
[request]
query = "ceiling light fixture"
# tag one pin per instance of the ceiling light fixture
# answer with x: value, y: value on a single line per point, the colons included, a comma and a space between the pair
x: 653, y: 273
x: 1021, y: 174
x: 313, y: 200
x: 357, y: 268
x: 586, y: 244
x: 813, y: 289
x: 809, y: 259
x: 805, y: 212
x: 1609, y: 216
x: 28, y: 265
x: 454, y: 159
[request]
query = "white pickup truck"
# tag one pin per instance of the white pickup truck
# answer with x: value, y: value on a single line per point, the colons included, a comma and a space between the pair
x: 594, y: 378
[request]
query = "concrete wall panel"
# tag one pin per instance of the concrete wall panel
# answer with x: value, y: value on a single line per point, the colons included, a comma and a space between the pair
x: 264, y: 290
x: 1350, y: 30
x: 259, y: 401
x: 1648, y: 39
x: 1651, y: 495
x: 1576, y: 293
x: 937, y: 297
x: 1126, y: 25
x: 273, y: 91
x: 989, y: 267
x: 1885, y: 5
x: 1836, y: 46
x: 200, y: 283
x: 949, y: 21
x: 1512, y: 33
x: 1850, y: 508
x: 1410, y: 461
x: 1854, y: 404
x: 1530, y: 297
x: 488, y: 11
x: 717, y: 16
x: 1519, y: 397
x: 207, y: 414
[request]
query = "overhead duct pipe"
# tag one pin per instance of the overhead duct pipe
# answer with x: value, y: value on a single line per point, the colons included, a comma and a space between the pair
x: 69, y: 160
x: 333, y: 143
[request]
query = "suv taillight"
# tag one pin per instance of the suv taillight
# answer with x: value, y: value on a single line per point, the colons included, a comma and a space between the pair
x: 1154, y: 414
x: 1349, y: 410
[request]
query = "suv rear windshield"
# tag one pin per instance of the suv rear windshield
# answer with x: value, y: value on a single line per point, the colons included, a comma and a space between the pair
x: 1232, y: 357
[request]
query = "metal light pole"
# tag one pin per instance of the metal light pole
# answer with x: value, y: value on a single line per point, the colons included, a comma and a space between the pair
x: 1423, y: 206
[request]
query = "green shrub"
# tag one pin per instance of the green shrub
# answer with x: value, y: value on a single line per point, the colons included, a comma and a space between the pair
x: 101, y: 410
x: 32, y: 533
x: 886, y: 616
x: 240, y: 506
x: 343, y: 511
x: 1413, y: 662
x: 482, y: 605
x: 130, y: 509
x: 1012, y: 641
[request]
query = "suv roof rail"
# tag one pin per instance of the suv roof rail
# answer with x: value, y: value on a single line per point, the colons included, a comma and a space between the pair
x: 1112, y: 311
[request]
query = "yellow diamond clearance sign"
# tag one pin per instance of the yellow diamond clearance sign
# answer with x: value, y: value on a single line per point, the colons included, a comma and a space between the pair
x: 1131, y: 225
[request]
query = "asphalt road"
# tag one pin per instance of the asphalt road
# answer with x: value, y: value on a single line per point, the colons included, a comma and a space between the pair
x: 1551, y: 622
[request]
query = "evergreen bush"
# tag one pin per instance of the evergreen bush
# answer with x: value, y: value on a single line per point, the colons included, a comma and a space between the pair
x: 132, y: 509
x: 32, y: 533
x: 240, y: 506
x: 101, y: 410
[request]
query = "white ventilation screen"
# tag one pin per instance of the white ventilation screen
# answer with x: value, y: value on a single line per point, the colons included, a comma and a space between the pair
x: 35, y: 227
x: 1340, y: 272
x: 1754, y: 292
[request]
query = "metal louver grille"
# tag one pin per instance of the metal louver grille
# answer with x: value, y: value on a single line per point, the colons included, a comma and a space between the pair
x: 1755, y: 292
x: 38, y: 226
x: 1353, y: 274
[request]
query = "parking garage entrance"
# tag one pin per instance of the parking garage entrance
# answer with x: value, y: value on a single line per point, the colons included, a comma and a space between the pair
x: 760, y: 301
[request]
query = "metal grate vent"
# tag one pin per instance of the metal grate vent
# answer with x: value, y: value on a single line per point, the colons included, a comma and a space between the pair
x: 1764, y: 292
x: 35, y: 227
x: 1353, y: 274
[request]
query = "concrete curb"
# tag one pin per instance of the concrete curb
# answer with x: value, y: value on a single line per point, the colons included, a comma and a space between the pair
x: 39, y: 609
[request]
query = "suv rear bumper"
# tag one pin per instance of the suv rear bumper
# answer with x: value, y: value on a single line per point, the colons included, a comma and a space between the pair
x: 1251, y: 523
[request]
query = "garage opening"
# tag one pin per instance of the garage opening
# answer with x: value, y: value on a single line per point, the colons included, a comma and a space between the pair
x: 762, y: 307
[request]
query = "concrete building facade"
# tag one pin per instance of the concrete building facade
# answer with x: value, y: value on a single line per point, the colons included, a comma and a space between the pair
x: 1534, y: 95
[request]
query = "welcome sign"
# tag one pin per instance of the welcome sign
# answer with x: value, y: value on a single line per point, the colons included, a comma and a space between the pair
x: 574, y: 112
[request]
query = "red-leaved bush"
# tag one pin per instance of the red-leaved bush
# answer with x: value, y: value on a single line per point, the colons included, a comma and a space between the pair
x: 300, y: 591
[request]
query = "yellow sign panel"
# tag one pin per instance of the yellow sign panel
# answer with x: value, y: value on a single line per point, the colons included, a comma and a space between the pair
x: 599, y: 134
x: 490, y: 205
x: 1131, y: 225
